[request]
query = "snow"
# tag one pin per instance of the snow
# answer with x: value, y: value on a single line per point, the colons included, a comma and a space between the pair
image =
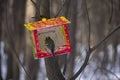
x: 3, y: 60
x: 86, y: 74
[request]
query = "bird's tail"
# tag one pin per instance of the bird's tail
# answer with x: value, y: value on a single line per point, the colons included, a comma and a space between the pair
x: 53, y: 54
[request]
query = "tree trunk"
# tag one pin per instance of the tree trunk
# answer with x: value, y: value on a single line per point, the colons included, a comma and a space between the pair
x: 0, y: 64
x: 71, y: 59
x: 31, y: 64
x: 13, y: 35
x: 52, y: 67
x: 1, y: 16
x: 9, y: 64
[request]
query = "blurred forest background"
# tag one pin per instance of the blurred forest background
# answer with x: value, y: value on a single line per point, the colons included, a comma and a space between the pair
x: 91, y: 22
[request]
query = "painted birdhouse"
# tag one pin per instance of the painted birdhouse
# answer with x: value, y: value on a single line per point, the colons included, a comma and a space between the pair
x: 56, y: 29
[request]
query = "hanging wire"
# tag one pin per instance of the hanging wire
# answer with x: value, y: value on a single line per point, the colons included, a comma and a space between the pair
x: 11, y: 41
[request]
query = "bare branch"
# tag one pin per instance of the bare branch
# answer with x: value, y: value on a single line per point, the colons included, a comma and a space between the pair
x: 111, y: 15
x: 61, y: 8
x: 39, y: 17
x: 37, y: 8
x: 82, y: 67
x: 112, y: 32
x: 110, y: 72
x: 89, y: 25
x: 89, y: 50
x: 93, y: 73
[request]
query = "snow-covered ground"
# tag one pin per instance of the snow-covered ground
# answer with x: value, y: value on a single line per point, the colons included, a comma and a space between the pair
x: 3, y: 60
x: 90, y: 72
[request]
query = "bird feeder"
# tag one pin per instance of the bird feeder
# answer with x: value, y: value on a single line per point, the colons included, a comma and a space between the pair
x: 56, y: 29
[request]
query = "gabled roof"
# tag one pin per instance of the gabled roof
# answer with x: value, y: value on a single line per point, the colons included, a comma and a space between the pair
x: 47, y: 23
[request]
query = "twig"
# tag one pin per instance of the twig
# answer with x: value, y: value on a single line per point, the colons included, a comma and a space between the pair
x: 82, y: 67
x: 112, y: 32
x: 110, y: 72
x: 93, y: 73
x: 61, y: 8
x: 37, y: 8
x: 111, y: 12
x: 89, y: 25
x: 89, y: 52
x: 89, y: 49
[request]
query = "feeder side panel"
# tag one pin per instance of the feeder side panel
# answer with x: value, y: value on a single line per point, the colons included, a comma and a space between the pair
x: 36, y: 40
x: 67, y: 38
x: 33, y: 44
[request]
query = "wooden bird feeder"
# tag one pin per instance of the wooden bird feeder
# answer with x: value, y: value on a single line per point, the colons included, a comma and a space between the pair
x: 56, y: 29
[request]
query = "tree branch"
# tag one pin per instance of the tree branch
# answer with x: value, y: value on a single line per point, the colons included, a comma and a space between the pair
x: 89, y: 49
x: 93, y: 73
x: 89, y: 25
x: 38, y: 11
x: 111, y: 15
x: 110, y: 72
x: 37, y: 8
x: 61, y: 8
x: 89, y: 52
x: 82, y: 67
x: 112, y: 32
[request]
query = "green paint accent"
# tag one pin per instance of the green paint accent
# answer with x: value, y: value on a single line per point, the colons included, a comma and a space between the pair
x: 33, y: 45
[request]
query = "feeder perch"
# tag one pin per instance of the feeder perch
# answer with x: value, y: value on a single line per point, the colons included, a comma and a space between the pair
x: 56, y: 29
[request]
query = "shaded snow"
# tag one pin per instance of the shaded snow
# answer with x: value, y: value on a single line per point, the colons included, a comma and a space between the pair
x: 3, y: 60
x: 86, y: 74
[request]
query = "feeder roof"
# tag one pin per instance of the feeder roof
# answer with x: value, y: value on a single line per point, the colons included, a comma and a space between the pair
x: 45, y: 23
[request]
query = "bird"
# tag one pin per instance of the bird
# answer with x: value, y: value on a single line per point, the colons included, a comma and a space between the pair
x: 50, y: 45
